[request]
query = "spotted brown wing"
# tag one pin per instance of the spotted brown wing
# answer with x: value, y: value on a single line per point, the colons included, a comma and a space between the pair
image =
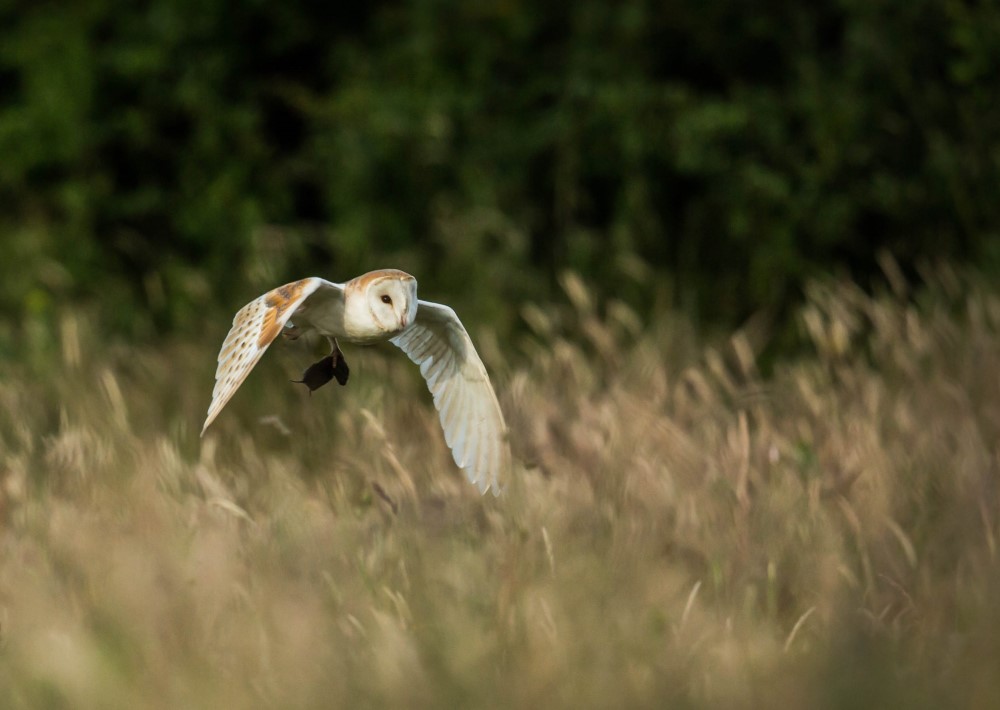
x: 255, y: 327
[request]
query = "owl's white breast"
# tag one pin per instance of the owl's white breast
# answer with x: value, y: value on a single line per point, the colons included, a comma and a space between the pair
x: 348, y: 320
x: 325, y: 312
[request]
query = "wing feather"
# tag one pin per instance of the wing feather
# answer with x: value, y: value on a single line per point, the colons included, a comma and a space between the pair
x: 483, y: 454
x: 465, y: 438
x: 422, y: 344
x: 447, y: 408
x: 255, y: 327
x: 470, y: 414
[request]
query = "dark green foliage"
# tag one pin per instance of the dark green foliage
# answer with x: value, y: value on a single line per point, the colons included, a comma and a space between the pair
x: 170, y: 152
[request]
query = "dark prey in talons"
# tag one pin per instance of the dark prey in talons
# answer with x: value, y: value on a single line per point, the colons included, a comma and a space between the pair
x: 318, y: 374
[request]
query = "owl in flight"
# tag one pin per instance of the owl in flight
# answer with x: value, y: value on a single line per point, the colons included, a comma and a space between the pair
x: 377, y: 306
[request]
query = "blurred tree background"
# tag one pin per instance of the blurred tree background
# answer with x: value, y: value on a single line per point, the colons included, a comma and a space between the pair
x: 161, y: 158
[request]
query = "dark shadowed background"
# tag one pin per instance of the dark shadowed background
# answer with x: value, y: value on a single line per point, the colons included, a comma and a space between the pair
x: 166, y: 159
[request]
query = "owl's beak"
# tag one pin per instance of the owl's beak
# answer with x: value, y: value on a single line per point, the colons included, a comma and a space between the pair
x: 403, y: 321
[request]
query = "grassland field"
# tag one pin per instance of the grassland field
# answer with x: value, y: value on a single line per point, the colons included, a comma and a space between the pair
x: 679, y: 529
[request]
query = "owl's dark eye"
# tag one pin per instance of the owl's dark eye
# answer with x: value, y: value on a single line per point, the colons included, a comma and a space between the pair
x: 386, y: 299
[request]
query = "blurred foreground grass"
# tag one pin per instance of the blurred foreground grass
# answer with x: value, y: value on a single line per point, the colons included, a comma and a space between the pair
x: 680, y: 530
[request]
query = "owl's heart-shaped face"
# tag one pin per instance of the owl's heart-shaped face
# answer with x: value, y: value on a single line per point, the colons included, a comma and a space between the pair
x: 392, y: 303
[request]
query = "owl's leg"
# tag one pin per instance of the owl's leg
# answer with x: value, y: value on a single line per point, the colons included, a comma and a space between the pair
x: 340, y: 369
x: 330, y: 367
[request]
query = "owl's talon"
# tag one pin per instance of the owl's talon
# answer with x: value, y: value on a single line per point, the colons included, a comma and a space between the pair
x: 340, y: 369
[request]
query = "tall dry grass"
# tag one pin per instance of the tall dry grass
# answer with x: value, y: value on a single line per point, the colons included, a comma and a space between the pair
x: 680, y: 530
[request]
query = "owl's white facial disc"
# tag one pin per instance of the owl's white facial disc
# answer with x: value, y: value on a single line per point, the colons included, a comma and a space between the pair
x: 393, y: 303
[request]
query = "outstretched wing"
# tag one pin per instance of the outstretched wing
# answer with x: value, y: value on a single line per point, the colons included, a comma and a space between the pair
x: 254, y: 328
x: 470, y: 414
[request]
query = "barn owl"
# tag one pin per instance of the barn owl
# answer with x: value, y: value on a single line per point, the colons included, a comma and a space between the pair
x: 377, y: 306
